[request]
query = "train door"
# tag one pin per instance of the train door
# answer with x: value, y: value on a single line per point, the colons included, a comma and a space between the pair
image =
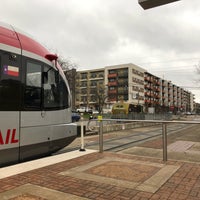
x: 10, y: 100
x: 43, y: 121
x: 35, y: 129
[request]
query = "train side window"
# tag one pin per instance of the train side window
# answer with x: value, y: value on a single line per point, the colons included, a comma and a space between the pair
x: 10, y: 81
x: 55, y: 90
x: 33, y: 89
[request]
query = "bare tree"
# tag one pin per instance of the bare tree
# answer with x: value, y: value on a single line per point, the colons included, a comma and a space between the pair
x: 69, y: 69
x: 101, y: 97
x: 66, y: 64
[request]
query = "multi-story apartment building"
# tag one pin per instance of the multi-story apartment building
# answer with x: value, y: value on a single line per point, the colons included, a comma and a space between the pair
x: 152, y: 91
x: 165, y: 96
x: 125, y: 83
x: 197, y: 108
x: 90, y: 87
x: 133, y: 84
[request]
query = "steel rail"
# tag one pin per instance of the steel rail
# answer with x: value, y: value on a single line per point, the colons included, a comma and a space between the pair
x: 162, y: 122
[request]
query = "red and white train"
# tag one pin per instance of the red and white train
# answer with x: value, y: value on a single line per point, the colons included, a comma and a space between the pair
x: 35, y: 101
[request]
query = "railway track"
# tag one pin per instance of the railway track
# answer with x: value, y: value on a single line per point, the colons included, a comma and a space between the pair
x: 125, y: 139
x: 125, y: 142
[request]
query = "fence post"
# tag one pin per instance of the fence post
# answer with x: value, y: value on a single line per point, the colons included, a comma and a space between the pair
x: 164, y: 135
x: 100, y: 134
x: 82, y: 134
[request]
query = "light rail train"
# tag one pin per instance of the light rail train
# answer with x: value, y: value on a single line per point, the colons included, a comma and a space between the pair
x: 35, y: 101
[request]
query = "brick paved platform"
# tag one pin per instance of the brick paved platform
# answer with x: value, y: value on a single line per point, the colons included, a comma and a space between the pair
x: 105, y: 176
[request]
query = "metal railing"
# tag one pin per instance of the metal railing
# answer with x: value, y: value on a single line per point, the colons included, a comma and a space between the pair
x: 163, y: 123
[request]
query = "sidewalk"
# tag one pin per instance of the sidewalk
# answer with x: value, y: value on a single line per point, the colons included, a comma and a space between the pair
x: 93, y: 175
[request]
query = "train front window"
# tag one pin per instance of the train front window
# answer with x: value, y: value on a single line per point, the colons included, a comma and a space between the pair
x: 55, y: 90
x: 33, y: 88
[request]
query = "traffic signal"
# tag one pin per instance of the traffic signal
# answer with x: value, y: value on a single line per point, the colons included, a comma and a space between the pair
x: 146, y: 4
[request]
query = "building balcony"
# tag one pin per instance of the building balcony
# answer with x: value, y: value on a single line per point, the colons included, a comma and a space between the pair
x: 123, y: 89
x: 93, y: 85
x: 157, y: 96
x: 147, y: 101
x: 114, y: 75
x: 112, y: 99
x: 147, y: 79
x: 122, y: 74
x: 157, y: 89
x: 96, y: 78
x: 147, y: 86
x: 147, y: 94
x: 123, y: 92
x: 156, y: 102
x: 112, y: 92
x: 123, y: 82
x: 157, y: 82
x: 114, y: 83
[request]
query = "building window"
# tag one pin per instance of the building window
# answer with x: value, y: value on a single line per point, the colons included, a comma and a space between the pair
x: 84, y: 76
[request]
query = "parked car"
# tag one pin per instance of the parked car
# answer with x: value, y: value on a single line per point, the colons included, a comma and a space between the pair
x: 107, y: 110
x: 95, y: 112
x: 84, y: 110
x: 188, y: 113
x: 75, y: 116
x: 81, y: 109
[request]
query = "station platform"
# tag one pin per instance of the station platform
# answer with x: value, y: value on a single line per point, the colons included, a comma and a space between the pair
x: 82, y: 175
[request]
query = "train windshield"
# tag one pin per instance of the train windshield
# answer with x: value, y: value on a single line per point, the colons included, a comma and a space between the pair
x: 55, y: 90
x: 35, y: 86
x: 46, y: 87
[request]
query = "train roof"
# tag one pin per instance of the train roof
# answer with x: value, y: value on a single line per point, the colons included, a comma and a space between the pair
x: 13, y: 37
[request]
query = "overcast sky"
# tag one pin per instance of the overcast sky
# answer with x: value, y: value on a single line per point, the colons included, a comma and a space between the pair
x: 96, y: 33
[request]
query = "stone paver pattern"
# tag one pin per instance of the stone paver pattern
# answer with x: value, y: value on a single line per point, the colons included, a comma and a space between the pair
x: 81, y: 178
